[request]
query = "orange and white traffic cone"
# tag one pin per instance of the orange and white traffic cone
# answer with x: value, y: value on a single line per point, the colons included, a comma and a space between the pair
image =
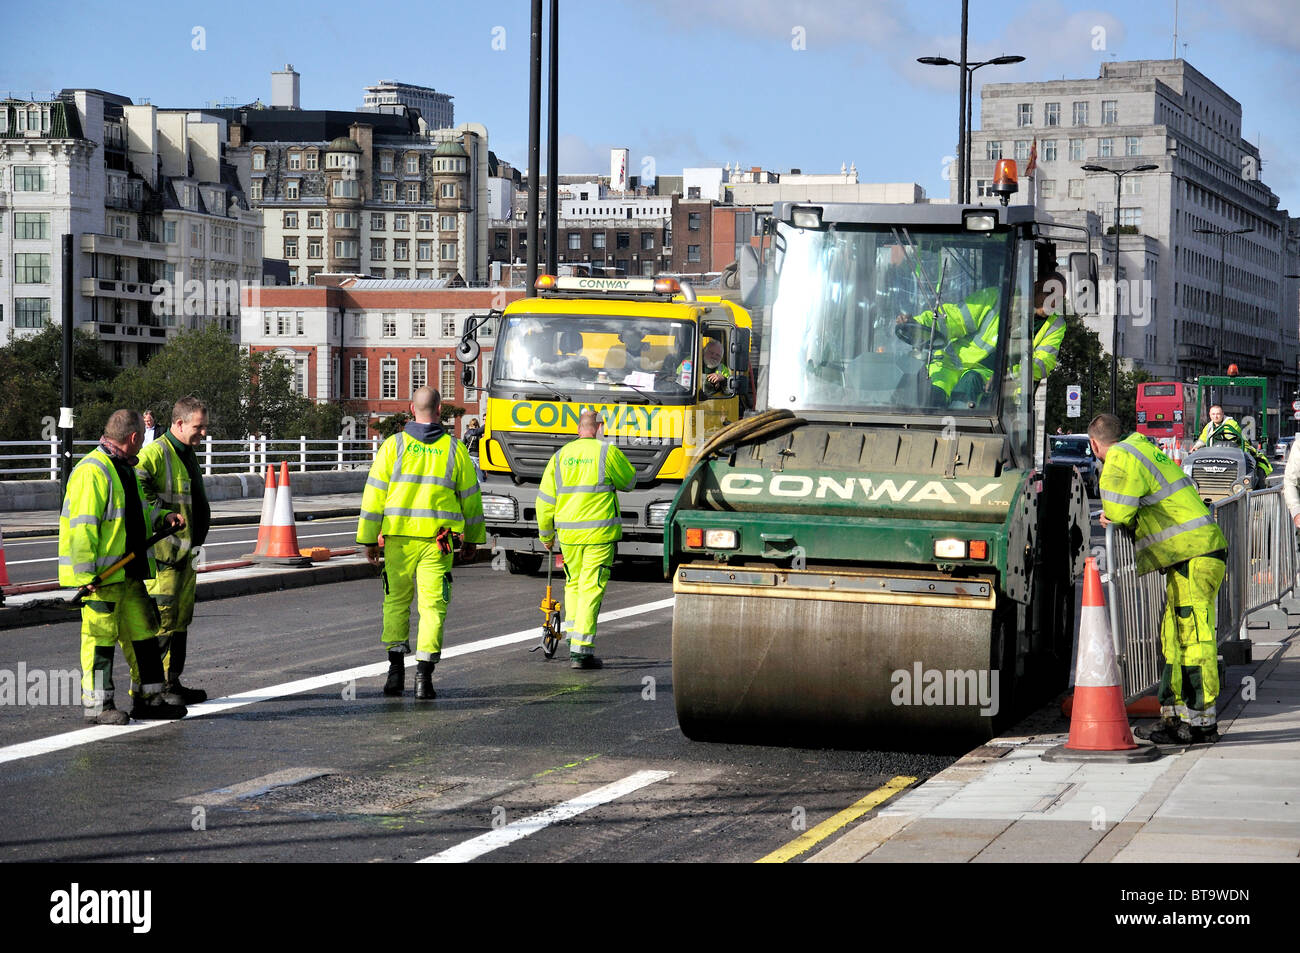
x: 268, y: 515
x: 1099, y: 728
x: 283, y: 546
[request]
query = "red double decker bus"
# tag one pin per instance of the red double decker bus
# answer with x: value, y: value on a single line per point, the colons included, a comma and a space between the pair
x: 1167, y: 410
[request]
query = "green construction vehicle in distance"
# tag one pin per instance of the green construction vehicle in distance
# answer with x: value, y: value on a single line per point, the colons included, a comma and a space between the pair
x: 1227, y: 465
x: 879, y: 557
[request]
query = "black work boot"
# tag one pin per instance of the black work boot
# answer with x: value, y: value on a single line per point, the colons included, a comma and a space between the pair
x: 396, y: 683
x: 157, y: 706
x: 584, y: 661
x: 1169, y: 731
x: 1205, y: 735
x: 173, y: 689
x: 107, y: 715
x: 424, y: 681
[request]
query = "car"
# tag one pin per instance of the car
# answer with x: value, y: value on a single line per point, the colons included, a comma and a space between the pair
x: 1283, y: 447
x: 1074, y: 449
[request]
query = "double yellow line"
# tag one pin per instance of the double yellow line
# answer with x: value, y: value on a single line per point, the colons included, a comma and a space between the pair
x: 809, y: 839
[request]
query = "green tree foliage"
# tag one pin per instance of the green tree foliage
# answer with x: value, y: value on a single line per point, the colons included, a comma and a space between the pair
x: 1084, y: 362
x: 205, y: 363
x: 31, y: 384
x: 395, y: 422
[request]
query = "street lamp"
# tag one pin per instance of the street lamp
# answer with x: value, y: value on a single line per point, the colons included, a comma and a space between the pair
x: 1223, y: 234
x: 1114, y: 331
x: 968, y: 100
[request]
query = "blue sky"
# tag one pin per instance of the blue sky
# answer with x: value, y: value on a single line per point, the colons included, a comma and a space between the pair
x: 679, y: 82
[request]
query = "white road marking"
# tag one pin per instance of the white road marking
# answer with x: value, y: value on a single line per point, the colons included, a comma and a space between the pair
x: 486, y: 843
x: 70, y: 739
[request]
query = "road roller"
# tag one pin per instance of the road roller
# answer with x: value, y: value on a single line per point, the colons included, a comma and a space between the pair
x: 878, y: 556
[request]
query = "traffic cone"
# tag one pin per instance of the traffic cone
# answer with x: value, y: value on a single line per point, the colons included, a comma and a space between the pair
x: 1099, y: 728
x: 268, y: 515
x: 283, y: 545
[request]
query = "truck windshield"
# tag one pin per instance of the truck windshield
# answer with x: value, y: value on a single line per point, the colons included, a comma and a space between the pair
x: 853, y: 319
x: 625, y: 355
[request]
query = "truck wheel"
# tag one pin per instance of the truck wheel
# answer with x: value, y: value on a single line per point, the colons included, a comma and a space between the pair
x: 523, y: 564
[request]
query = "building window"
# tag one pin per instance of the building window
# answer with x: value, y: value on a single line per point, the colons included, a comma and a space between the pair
x: 314, y: 220
x: 418, y: 325
x: 359, y: 382
x: 345, y: 189
x: 693, y: 192
x: 1109, y: 112
x: 1131, y: 185
x: 377, y: 249
x: 259, y: 161
x: 390, y: 325
x: 1022, y: 150
x: 388, y: 379
x: 597, y: 239
x: 31, y: 269
x: 1049, y: 150
x: 1132, y: 145
x: 1080, y: 115
x: 648, y: 267
x: 1025, y: 114
x: 1105, y: 148
x: 447, y: 379
x: 290, y: 219
x: 295, y: 160
x: 255, y: 190
x: 291, y: 248
x: 623, y: 240
x: 419, y: 373
x: 1076, y: 150
x: 1049, y: 188
x: 413, y: 191
x: 992, y: 150
x: 401, y: 272
x: 448, y: 223
x: 1076, y: 188
x: 345, y: 219
x: 424, y: 223
x: 390, y: 191
x: 647, y: 241
x: 169, y: 232
x: 449, y: 325
x: 33, y: 225
x: 385, y: 163
x: 378, y: 221
x: 575, y: 241
x: 31, y: 312
x: 401, y: 249
x: 30, y: 178
x: 692, y: 252
x: 1130, y: 217
x: 424, y: 250
x: 313, y: 248
x: 692, y: 223
x: 448, y: 190
x: 346, y: 249
x: 412, y: 165
x: 312, y: 161
x: 1051, y: 114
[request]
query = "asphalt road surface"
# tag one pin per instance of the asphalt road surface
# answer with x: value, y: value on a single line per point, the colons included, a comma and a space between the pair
x: 518, y: 759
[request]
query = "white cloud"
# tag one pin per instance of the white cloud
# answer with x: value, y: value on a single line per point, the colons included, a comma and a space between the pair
x: 1274, y: 21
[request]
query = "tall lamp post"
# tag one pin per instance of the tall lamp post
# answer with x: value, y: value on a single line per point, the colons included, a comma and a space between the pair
x: 1114, y: 331
x: 967, y: 105
x: 1222, y: 234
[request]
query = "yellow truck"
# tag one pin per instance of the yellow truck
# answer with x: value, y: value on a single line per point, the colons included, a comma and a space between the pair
x: 664, y: 367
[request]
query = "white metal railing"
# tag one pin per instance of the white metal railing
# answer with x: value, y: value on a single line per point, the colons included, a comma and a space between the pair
x: 39, y: 459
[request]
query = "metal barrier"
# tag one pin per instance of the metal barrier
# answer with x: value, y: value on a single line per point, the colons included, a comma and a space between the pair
x: 215, y: 456
x: 1261, y: 571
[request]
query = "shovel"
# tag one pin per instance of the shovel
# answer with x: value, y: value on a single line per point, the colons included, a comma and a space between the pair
x: 74, y: 601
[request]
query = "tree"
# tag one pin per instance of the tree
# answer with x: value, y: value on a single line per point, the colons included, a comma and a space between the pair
x: 31, y: 385
x: 205, y: 363
x: 1082, y: 361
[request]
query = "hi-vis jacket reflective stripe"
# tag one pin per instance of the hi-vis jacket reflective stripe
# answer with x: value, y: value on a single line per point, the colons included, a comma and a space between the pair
x: 1140, y: 484
x: 1047, y: 347
x: 971, y: 327
x: 164, y: 479
x: 1229, y: 430
x: 416, y: 488
x: 92, y: 526
x: 577, y: 498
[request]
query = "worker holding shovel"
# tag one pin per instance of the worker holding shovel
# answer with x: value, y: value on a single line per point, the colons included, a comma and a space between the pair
x: 104, y: 547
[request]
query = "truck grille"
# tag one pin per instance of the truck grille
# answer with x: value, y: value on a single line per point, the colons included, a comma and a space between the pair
x: 528, y: 454
x: 1214, y: 485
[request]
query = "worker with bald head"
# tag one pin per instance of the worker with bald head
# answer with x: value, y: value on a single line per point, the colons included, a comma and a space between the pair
x: 578, y: 502
x: 422, y: 499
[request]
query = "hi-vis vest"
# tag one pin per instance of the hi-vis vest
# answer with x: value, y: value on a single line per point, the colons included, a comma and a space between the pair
x: 577, y: 496
x: 416, y: 488
x: 1139, y: 483
x: 1228, y: 432
x: 164, y: 479
x: 92, y: 525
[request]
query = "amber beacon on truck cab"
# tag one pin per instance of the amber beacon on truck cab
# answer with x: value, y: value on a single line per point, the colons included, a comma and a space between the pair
x: 664, y: 367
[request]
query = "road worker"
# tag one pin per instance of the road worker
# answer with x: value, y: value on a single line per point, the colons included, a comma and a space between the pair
x: 422, y: 497
x: 577, y: 501
x: 1175, y: 534
x: 104, y: 518
x: 170, y: 477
